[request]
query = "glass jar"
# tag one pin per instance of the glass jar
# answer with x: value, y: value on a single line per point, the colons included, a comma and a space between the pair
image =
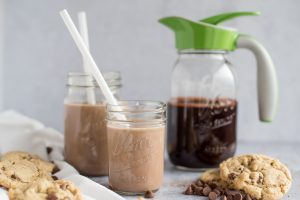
x: 85, y: 124
x: 136, y: 132
x: 202, y: 110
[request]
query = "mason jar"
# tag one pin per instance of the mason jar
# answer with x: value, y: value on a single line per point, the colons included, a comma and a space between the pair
x: 85, y: 122
x: 136, y: 132
x: 202, y: 110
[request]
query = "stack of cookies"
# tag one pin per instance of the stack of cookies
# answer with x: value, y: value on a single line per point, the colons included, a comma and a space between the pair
x: 245, y: 177
x: 28, y: 177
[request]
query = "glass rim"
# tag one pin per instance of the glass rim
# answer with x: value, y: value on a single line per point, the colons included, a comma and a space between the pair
x: 153, y: 106
x: 74, y: 73
x: 113, y: 79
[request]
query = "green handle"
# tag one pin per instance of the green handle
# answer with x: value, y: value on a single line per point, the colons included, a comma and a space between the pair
x: 217, y: 19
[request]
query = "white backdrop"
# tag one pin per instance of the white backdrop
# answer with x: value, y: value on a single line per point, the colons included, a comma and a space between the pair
x: 125, y: 36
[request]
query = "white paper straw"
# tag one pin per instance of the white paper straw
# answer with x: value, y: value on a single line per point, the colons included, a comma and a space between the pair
x: 83, y: 28
x: 86, y: 54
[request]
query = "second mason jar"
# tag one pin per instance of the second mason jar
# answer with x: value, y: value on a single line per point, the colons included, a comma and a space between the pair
x: 136, y: 132
x: 85, y: 122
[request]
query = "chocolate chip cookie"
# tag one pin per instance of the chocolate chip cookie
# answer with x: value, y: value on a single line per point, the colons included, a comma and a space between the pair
x: 17, y: 174
x: 213, y: 176
x: 260, y: 176
x: 44, y: 189
x: 41, y: 164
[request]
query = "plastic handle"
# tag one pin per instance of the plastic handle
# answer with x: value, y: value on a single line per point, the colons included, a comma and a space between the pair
x: 217, y: 19
x: 267, y: 86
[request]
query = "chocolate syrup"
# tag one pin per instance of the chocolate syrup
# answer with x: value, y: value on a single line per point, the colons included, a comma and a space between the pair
x: 201, y: 132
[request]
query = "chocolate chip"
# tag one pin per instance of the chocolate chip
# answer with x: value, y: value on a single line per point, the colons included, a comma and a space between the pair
x: 54, y: 178
x: 149, y: 194
x: 13, y: 176
x: 227, y: 192
x: 229, y: 197
x: 247, y: 197
x: 213, y: 185
x: 199, y: 183
x: 206, y: 191
x: 217, y: 191
x: 193, y: 186
x: 223, y: 197
x: 55, y: 169
x: 51, y: 197
x: 232, y: 176
x: 189, y: 191
x: 198, y: 191
x: 49, y: 150
x: 260, y: 180
x: 238, y: 196
x: 212, y: 196
x: 110, y: 187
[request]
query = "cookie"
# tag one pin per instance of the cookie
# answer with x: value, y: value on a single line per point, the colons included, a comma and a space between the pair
x: 44, y: 189
x: 15, y: 174
x: 260, y: 176
x: 42, y: 165
x: 213, y: 176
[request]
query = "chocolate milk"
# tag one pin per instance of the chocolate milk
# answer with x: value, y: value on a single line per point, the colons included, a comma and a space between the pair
x: 86, y: 138
x: 201, y: 132
x: 136, y: 158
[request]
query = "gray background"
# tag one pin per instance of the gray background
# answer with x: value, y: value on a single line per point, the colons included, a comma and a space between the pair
x: 38, y: 52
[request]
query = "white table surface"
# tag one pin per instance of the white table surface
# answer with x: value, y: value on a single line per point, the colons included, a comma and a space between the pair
x: 176, y: 181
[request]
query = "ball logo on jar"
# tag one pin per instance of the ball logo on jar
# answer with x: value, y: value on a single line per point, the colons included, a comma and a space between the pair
x: 133, y: 151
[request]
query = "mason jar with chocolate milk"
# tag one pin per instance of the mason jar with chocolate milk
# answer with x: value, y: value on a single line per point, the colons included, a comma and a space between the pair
x: 136, y: 132
x: 85, y: 122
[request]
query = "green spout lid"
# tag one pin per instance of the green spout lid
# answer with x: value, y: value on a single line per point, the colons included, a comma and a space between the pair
x: 205, y: 34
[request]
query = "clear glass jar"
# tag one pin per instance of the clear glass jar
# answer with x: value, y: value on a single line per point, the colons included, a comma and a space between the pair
x: 202, y: 110
x: 136, y: 146
x: 85, y: 124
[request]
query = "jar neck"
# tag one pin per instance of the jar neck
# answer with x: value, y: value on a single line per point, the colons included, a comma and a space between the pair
x: 137, y: 113
x: 202, y: 52
x: 199, y: 54
x: 85, y: 80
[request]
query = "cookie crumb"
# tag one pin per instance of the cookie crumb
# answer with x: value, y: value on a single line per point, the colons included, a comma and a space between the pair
x: 149, y: 194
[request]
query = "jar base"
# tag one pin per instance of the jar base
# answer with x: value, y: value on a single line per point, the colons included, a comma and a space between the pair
x: 183, y: 168
x: 132, y: 193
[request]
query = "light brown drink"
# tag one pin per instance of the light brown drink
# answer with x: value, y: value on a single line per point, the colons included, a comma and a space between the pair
x: 136, y: 157
x: 86, y: 138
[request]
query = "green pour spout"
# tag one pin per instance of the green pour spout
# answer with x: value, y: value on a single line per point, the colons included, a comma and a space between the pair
x: 217, y: 19
x: 207, y: 34
x: 204, y: 34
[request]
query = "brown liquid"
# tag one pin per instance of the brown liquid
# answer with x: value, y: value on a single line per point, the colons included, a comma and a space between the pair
x: 201, y: 133
x: 136, y: 158
x: 86, y: 138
